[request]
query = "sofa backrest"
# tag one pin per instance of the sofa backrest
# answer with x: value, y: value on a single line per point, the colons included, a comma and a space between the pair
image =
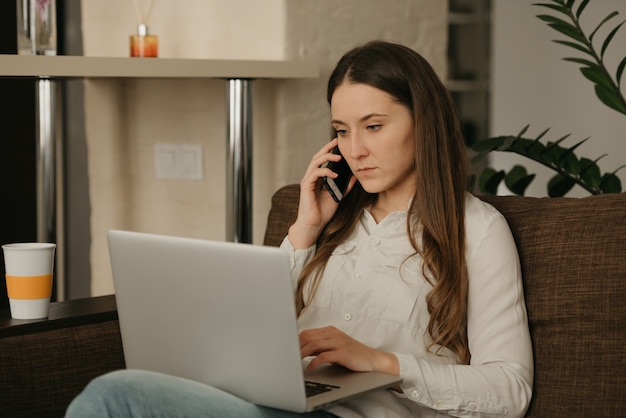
x: 573, y: 255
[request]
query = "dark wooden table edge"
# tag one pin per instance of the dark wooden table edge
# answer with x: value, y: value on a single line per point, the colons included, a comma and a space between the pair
x: 62, y: 315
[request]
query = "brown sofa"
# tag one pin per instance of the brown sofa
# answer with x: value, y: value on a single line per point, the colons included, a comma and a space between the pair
x: 573, y: 254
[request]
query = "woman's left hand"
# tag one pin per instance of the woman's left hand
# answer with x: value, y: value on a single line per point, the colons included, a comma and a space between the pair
x: 330, y: 345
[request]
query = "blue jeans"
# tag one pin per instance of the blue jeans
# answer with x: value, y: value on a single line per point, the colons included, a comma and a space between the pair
x: 134, y: 393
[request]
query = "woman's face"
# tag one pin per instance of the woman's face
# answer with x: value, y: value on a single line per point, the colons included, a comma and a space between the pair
x: 376, y: 137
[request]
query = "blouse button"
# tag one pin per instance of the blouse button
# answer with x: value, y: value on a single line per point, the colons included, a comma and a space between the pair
x: 347, y: 316
x: 375, y: 241
x: 415, y: 394
x: 472, y: 407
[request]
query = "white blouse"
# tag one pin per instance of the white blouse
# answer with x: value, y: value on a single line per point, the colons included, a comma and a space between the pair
x: 370, y: 293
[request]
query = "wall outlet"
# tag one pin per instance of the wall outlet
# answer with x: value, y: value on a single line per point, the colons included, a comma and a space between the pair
x: 178, y: 161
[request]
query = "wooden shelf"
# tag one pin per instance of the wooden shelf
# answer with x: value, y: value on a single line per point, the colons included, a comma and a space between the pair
x: 63, y: 66
x: 238, y: 76
x: 62, y: 315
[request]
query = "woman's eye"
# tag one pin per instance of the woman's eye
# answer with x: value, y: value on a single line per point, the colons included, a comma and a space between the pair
x: 341, y: 132
x: 373, y: 128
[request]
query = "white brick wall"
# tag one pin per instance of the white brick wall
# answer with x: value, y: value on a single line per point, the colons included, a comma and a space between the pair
x: 125, y: 119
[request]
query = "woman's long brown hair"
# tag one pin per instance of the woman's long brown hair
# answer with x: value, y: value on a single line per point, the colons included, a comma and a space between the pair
x: 437, y: 209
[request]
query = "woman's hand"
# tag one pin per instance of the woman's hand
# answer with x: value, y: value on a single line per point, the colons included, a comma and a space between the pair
x: 316, y: 206
x: 330, y: 345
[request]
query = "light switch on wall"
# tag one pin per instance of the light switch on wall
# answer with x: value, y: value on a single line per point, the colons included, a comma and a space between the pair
x: 178, y: 161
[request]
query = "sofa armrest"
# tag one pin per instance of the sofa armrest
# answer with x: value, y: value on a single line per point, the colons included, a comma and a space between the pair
x: 46, y: 363
x: 282, y: 214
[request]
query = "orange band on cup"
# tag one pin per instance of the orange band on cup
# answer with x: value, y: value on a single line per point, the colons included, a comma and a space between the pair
x: 29, y: 287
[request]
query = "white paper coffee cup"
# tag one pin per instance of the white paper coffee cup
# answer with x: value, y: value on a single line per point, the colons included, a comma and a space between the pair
x: 29, y: 268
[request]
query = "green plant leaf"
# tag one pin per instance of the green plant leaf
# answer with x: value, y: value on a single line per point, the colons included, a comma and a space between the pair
x: 608, y: 39
x: 523, y: 131
x: 552, y: 153
x: 609, y: 98
x: 489, y: 180
x: 559, y: 185
x: 582, y: 61
x: 556, y: 7
x: 555, y: 20
x: 581, y: 8
x: 590, y: 172
x: 568, y: 30
x: 611, y: 183
x: 620, y: 71
x: 517, y: 180
x: 606, y: 19
x: 541, y: 135
x: 569, y: 162
x: 479, y: 156
x: 500, y: 143
x: 584, y: 172
x: 582, y: 48
x: 597, y: 76
x: 528, y: 147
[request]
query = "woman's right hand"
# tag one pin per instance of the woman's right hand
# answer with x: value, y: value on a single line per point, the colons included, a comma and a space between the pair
x: 316, y: 206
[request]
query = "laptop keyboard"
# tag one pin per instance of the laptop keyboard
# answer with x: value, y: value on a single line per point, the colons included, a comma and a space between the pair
x: 315, y: 388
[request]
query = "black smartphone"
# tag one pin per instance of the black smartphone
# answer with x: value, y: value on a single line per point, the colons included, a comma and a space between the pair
x: 337, y: 187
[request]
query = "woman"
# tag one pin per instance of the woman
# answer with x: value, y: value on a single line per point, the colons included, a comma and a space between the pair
x: 409, y: 275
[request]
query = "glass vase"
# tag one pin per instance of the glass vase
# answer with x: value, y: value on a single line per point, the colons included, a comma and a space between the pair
x: 36, y: 27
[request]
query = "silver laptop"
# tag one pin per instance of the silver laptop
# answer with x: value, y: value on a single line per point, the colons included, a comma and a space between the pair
x: 223, y: 314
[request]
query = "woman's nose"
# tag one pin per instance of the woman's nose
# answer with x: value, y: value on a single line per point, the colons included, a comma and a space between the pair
x: 357, y: 147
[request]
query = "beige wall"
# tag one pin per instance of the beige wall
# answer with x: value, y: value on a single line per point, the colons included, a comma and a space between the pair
x: 125, y: 119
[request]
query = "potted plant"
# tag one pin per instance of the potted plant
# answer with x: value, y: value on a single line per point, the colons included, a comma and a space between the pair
x: 570, y: 169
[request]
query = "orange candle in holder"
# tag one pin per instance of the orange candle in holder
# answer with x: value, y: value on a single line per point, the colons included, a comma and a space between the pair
x: 143, y: 44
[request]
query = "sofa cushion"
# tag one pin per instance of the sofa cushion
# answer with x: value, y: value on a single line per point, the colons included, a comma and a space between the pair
x: 573, y: 254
